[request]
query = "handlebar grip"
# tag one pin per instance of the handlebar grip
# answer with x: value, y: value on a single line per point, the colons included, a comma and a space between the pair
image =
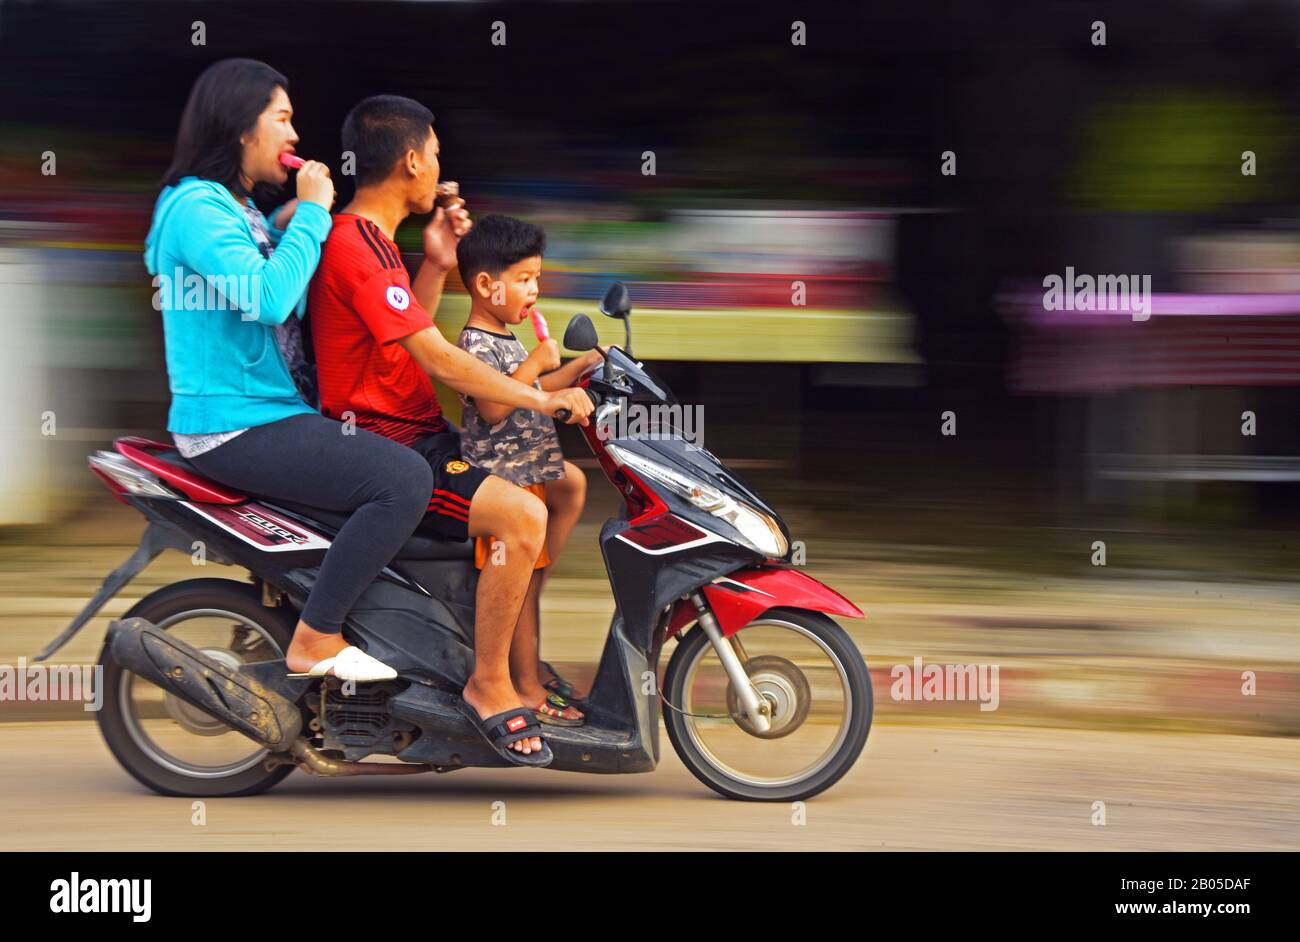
x: 564, y: 415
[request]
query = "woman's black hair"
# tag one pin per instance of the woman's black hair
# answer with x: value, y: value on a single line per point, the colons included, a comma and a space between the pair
x: 224, y: 104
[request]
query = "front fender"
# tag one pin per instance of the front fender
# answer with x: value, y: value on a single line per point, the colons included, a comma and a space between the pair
x: 739, y: 598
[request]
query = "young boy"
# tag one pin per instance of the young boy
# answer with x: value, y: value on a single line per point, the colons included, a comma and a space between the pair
x: 500, y: 261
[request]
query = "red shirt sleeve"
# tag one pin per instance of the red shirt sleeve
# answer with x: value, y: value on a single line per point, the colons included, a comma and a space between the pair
x: 388, y: 307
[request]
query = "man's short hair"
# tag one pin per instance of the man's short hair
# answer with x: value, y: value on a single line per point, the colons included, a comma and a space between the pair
x: 495, y: 243
x: 380, y: 130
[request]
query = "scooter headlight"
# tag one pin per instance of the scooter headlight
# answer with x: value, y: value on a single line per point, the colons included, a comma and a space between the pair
x: 756, y: 528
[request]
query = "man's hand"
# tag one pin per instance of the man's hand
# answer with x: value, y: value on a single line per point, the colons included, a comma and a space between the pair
x: 444, y: 232
x: 575, y: 400
x: 546, y: 356
x: 285, y: 213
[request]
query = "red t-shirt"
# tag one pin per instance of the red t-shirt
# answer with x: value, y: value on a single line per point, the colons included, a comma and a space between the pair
x: 360, y: 304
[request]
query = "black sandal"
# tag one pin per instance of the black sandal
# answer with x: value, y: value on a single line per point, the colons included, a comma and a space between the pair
x: 510, y: 726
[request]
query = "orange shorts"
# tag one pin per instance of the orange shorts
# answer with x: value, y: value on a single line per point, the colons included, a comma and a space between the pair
x: 483, y: 544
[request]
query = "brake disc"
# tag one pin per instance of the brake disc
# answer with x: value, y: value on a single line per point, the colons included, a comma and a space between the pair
x: 784, y: 687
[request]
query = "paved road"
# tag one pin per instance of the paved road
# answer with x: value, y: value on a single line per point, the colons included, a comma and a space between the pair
x: 914, y: 788
x: 1145, y: 654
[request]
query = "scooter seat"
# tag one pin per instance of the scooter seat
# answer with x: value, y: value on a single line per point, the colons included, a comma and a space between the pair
x: 418, y: 546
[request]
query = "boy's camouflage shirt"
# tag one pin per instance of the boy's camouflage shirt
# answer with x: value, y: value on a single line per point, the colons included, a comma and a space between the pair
x: 523, y: 447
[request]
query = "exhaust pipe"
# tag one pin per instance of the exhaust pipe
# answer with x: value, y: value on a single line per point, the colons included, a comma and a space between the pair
x: 317, y: 764
x: 235, y: 698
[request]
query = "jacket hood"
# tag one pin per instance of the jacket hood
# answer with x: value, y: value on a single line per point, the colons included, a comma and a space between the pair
x: 166, y: 200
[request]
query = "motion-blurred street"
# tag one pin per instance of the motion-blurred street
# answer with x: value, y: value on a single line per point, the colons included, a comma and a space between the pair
x: 1131, y: 698
x: 915, y: 788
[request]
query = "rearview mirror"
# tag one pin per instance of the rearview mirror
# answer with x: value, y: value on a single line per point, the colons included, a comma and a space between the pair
x: 581, y: 333
x: 616, y: 302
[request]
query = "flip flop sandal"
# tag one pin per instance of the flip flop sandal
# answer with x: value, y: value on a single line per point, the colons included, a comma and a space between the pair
x: 510, y: 726
x: 552, y: 710
x: 558, y: 684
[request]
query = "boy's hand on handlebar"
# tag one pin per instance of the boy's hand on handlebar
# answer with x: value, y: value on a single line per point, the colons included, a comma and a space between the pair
x: 574, y: 401
x: 315, y: 185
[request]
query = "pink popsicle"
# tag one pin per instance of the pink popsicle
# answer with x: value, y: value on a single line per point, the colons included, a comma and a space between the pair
x: 292, y: 161
x: 539, y: 326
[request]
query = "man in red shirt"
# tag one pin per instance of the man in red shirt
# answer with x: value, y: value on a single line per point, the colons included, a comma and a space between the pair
x: 376, y: 347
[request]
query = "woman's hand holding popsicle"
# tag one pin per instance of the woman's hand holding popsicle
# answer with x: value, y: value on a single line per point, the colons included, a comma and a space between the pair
x: 315, y: 185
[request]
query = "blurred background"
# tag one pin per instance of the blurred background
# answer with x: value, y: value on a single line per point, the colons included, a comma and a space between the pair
x: 840, y: 242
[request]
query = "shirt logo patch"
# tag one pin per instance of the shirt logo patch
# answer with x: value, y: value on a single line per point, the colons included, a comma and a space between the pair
x: 456, y: 466
x: 397, y: 298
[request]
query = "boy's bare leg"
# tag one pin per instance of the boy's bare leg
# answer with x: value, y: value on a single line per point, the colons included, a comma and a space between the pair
x: 518, y: 519
x: 565, y: 498
x: 524, y: 647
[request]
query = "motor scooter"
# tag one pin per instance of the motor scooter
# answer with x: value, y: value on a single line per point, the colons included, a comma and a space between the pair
x: 765, y: 696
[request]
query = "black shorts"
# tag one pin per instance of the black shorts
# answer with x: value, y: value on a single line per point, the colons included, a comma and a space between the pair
x: 455, y: 482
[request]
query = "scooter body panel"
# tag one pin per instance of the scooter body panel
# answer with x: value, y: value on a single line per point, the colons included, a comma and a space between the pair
x: 744, y: 595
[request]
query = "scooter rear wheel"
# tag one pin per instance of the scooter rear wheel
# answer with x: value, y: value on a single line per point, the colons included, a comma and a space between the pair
x: 169, y: 745
x: 819, y: 691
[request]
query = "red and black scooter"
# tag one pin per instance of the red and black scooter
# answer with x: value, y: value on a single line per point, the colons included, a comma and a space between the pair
x: 765, y: 698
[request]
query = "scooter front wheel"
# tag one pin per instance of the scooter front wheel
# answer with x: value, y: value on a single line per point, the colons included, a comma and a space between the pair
x: 818, y: 691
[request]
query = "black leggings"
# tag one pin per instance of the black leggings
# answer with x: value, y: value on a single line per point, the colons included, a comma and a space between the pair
x: 309, y: 460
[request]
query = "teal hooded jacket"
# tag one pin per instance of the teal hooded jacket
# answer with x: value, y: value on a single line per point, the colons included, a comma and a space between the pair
x: 220, y: 301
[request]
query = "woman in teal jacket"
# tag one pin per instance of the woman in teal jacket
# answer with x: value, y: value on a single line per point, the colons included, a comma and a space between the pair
x: 232, y: 286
